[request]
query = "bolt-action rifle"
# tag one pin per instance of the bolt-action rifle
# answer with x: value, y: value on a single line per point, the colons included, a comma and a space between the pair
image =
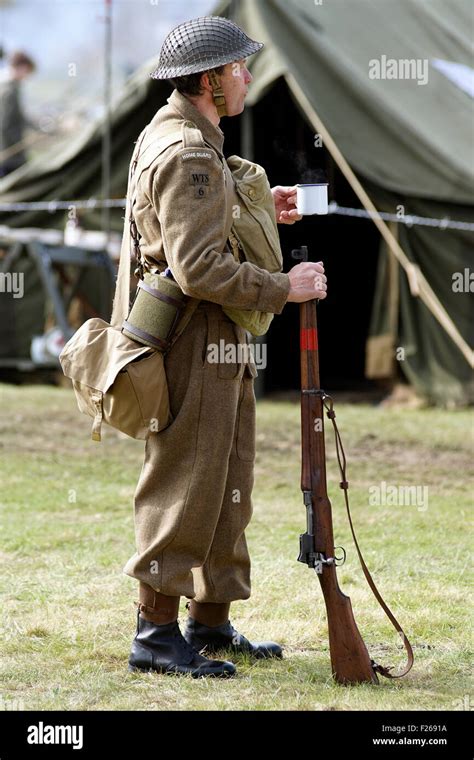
x: 350, y: 660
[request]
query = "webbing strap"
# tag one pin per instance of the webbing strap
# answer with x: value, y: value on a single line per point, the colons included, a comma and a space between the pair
x: 217, y: 93
x: 96, y: 399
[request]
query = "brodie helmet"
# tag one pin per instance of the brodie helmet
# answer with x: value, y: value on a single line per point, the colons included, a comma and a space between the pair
x: 201, y: 45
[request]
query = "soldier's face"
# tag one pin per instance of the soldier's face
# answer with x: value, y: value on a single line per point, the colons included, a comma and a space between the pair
x: 21, y: 72
x: 235, y: 81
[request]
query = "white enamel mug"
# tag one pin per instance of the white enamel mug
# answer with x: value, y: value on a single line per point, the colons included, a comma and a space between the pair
x: 312, y: 199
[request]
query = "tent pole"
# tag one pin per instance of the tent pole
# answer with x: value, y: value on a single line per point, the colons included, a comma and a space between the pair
x: 106, y: 133
x: 394, y: 294
x: 419, y: 285
x: 380, y: 349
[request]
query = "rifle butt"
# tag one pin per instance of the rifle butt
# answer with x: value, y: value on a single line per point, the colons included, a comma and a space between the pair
x: 350, y: 660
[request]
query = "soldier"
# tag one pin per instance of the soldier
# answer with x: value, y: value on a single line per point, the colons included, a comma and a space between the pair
x: 13, y: 120
x: 193, y: 499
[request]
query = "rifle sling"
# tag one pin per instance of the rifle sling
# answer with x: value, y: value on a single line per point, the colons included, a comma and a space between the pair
x: 341, y: 459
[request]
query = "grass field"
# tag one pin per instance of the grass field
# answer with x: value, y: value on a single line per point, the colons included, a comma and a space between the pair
x: 67, y: 530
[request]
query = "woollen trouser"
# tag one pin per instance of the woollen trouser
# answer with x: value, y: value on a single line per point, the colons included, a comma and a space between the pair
x: 193, y: 499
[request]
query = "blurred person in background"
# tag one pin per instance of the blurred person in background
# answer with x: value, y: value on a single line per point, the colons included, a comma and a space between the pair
x: 12, y: 117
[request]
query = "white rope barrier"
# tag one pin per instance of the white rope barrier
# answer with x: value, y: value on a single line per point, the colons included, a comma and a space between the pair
x: 52, y: 206
x: 410, y: 220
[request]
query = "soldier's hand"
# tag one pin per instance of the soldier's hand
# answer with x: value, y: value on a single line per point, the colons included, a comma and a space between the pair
x: 307, y: 281
x: 285, y: 204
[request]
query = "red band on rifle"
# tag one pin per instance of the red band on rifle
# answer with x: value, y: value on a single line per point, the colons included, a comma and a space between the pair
x: 308, y: 339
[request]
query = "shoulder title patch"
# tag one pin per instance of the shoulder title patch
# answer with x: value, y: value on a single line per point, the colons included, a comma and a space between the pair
x: 196, y: 154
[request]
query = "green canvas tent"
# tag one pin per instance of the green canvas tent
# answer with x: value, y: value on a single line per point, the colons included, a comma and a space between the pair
x: 382, y: 84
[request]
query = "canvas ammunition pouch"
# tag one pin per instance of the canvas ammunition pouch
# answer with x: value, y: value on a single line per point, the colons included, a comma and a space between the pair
x: 254, y: 234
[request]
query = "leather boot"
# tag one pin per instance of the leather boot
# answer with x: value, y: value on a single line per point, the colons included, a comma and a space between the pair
x: 159, y: 645
x: 211, y: 639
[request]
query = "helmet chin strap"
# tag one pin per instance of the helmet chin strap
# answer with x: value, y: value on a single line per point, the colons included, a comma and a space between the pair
x: 217, y: 93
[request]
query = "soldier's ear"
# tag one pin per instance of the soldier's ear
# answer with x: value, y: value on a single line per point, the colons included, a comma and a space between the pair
x: 205, y: 83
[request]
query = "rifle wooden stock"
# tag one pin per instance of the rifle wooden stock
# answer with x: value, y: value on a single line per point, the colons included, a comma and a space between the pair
x: 350, y: 660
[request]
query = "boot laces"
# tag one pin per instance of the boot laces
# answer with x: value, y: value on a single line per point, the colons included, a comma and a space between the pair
x: 187, y: 647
